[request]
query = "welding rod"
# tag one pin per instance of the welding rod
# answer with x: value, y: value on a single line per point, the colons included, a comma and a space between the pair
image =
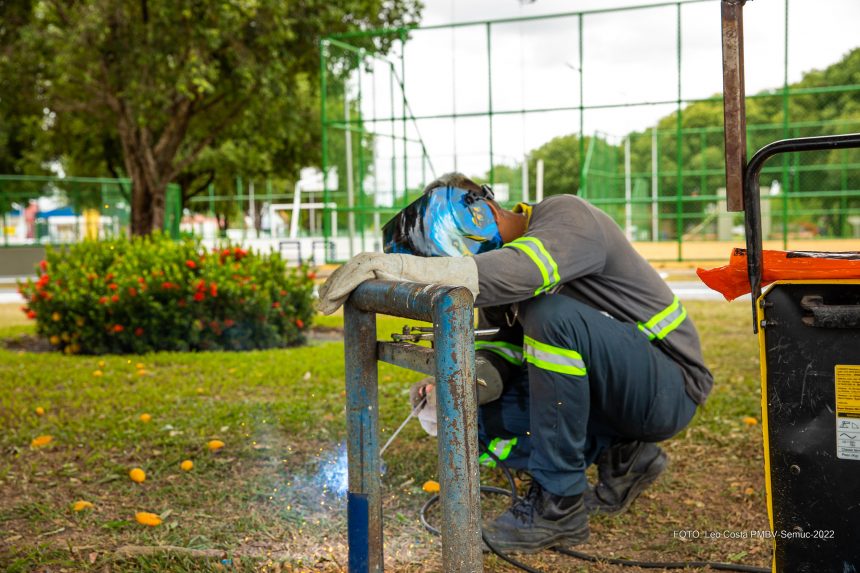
x: 411, y: 415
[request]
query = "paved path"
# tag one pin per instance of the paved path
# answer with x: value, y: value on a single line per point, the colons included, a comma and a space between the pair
x: 686, y: 290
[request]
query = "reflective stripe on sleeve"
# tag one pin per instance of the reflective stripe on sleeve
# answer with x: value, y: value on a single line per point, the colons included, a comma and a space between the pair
x: 501, y: 448
x: 553, y: 358
x: 665, y: 321
x: 510, y: 352
x: 547, y: 266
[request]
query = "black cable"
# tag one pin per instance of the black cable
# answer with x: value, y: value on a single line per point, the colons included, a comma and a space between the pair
x: 661, y: 564
x: 570, y: 552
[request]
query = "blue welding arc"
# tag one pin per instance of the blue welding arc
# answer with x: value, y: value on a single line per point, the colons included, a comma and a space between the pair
x: 357, y: 525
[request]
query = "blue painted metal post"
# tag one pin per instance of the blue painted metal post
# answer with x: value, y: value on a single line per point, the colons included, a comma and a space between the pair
x: 362, y: 430
x: 457, y: 421
x: 450, y: 310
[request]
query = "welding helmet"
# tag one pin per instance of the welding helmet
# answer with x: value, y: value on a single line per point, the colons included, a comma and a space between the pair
x: 444, y: 222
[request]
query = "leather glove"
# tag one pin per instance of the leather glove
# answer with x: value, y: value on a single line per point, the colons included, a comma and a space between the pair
x: 427, y: 413
x: 490, y: 387
x: 489, y: 379
x: 454, y: 271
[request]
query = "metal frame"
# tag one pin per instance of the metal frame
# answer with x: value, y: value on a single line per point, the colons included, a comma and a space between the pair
x: 752, y: 201
x: 452, y: 362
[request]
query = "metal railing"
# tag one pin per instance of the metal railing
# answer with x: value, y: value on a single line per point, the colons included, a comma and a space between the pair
x: 452, y: 362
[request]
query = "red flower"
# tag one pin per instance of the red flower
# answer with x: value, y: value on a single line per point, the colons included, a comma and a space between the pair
x: 213, y: 289
x: 312, y: 275
x: 228, y: 322
x: 201, y: 284
x: 190, y: 264
x: 31, y: 314
x: 114, y: 298
x: 141, y: 280
x: 113, y: 286
x: 92, y: 277
x: 47, y: 295
x: 132, y: 291
x: 109, y: 277
x: 276, y: 305
x: 118, y: 328
x: 300, y: 323
x: 103, y: 300
x: 138, y: 331
x: 213, y: 325
x: 199, y: 296
x: 167, y: 285
x: 43, y: 265
x: 283, y: 292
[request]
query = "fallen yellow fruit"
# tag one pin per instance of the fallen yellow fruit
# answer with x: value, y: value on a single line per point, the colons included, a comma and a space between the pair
x: 141, y: 372
x: 82, y: 505
x: 431, y: 486
x: 750, y: 421
x: 215, y: 445
x: 145, y: 418
x: 40, y: 411
x: 137, y: 475
x: 187, y: 465
x: 146, y: 518
x: 97, y: 373
x: 40, y: 441
x: 54, y: 340
x: 101, y: 363
x: 140, y: 366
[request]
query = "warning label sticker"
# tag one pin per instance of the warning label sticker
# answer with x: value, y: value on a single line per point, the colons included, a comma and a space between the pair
x: 847, y: 411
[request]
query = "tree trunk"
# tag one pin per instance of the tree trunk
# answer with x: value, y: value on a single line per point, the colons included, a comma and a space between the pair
x: 148, y: 182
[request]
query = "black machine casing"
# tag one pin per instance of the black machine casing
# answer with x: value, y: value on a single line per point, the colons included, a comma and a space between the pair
x: 810, y: 359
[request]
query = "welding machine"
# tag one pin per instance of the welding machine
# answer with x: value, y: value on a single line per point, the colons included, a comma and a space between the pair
x: 809, y: 339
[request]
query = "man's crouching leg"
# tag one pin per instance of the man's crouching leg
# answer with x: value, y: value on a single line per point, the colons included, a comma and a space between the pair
x: 553, y: 513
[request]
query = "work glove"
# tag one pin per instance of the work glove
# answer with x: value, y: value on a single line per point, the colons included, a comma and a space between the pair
x: 453, y: 271
x: 427, y: 414
x: 489, y: 388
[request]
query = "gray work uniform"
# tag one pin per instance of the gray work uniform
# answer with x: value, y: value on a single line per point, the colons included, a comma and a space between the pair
x: 606, y: 351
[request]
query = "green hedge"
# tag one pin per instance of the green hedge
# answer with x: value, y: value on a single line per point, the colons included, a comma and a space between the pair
x: 147, y: 294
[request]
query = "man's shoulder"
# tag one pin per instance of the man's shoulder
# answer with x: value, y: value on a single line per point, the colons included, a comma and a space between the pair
x: 565, y: 209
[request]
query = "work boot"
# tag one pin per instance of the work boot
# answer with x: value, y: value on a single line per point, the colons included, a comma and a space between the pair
x: 540, y: 520
x: 623, y: 472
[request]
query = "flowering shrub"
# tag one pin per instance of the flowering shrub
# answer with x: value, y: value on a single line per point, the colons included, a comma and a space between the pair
x: 148, y: 294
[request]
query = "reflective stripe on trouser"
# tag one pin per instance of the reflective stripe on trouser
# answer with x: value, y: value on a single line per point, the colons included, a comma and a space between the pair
x: 553, y: 358
x: 631, y: 390
x: 510, y: 352
x: 661, y: 324
x: 533, y: 247
x: 501, y: 448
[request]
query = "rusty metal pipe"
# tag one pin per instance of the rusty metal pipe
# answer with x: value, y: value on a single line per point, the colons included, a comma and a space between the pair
x: 734, y: 106
x: 450, y: 309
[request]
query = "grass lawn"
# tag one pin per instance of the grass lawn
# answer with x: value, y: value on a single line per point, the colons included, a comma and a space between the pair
x: 257, y: 501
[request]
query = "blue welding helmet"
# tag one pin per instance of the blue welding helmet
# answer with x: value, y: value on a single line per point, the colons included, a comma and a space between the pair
x: 444, y: 222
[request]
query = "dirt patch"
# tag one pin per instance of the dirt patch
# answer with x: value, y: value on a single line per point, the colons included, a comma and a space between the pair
x: 325, y: 334
x: 27, y: 343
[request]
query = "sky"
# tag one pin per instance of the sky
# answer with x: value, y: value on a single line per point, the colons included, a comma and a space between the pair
x: 627, y: 57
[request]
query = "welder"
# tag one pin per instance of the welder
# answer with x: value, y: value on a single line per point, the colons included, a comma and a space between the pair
x: 595, y: 362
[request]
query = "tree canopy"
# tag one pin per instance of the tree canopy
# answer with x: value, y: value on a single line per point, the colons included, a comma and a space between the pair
x: 161, y: 90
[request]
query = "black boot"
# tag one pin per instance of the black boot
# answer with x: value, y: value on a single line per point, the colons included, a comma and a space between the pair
x: 540, y: 520
x: 623, y: 472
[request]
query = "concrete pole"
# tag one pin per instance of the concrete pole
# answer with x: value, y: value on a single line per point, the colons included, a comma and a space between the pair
x: 525, y: 172
x: 350, y: 184
x: 655, y: 189
x: 628, y: 192
x: 539, y: 181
